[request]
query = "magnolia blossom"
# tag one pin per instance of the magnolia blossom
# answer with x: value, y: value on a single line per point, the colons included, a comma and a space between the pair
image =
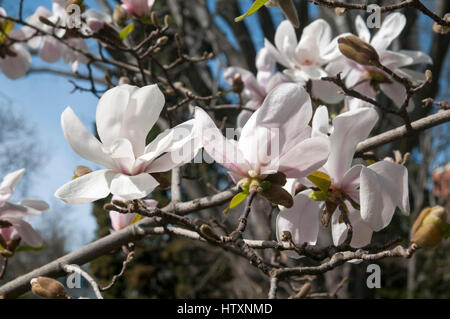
x: 369, y: 80
x: 125, y: 115
x: 306, y: 59
x: 276, y: 138
x: 12, y: 223
x: 15, y: 60
x: 378, y: 189
x: 120, y: 221
x: 256, y: 88
x: 138, y: 8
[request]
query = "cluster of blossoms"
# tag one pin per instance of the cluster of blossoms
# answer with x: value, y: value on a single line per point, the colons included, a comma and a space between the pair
x: 284, y: 144
x: 57, y: 34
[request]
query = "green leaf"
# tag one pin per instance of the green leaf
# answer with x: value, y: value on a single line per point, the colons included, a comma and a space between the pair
x: 29, y: 248
x: 319, y: 196
x: 126, y: 31
x: 255, y: 7
x: 321, y: 180
x: 237, y: 199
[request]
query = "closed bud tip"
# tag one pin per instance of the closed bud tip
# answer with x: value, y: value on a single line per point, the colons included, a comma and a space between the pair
x: 430, y: 227
x: 359, y: 51
x: 48, y: 288
x: 81, y: 171
x: 120, y: 16
x: 340, y: 11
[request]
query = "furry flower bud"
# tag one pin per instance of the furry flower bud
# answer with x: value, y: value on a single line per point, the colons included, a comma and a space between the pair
x: 48, y: 288
x: 428, y: 229
x: 359, y: 51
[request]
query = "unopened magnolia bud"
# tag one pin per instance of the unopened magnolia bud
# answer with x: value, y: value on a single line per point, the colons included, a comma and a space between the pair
x: 81, y: 171
x: 208, y: 232
x: 303, y: 292
x: 109, y: 206
x: 238, y: 84
x: 124, y: 80
x: 48, y: 288
x: 357, y: 50
x: 162, y: 41
x: 120, y: 16
x: 438, y: 28
x: 154, y: 19
x: 428, y: 229
x: 340, y: 11
x: 278, y: 195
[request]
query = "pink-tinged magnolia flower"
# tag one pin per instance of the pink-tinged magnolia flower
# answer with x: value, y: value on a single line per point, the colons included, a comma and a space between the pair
x: 12, y: 215
x: 125, y: 115
x: 369, y: 80
x: 378, y: 188
x: 276, y: 138
x: 306, y: 59
x: 15, y: 60
x: 256, y: 88
x: 138, y: 8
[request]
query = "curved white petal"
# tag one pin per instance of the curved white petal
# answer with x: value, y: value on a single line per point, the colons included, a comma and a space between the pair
x: 301, y: 220
x: 87, y: 188
x: 224, y: 151
x: 349, y: 129
x: 34, y: 206
x: 361, y: 29
x: 390, y: 29
x: 305, y: 157
x: 141, y: 114
x: 320, y: 122
x: 376, y: 199
x: 287, y: 109
x: 133, y: 187
x: 82, y: 141
x: 326, y: 91
x: 111, y: 111
x: 362, y: 233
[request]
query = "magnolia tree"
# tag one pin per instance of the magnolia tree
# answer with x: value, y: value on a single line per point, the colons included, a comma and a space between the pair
x: 297, y: 131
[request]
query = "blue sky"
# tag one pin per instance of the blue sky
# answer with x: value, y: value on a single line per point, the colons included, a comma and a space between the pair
x: 41, y: 98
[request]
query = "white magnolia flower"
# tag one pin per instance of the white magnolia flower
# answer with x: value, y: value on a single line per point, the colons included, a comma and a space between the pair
x: 378, y: 188
x: 13, y: 225
x: 369, y: 80
x: 15, y: 60
x: 125, y: 115
x: 256, y: 88
x: 276, y: 138
x: 306, y: 59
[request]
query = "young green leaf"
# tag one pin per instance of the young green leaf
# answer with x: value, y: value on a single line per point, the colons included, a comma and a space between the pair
x: 255, y: 7
x: 318, y: 196
x: 29, y: 248
x: 321, y: 180
x: 126, y: 31
x: 237, y: 199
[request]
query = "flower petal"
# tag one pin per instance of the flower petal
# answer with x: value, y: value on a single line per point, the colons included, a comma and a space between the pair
x: 82, y: 141
x: 15, y: 67
x: 390, y: 29
x: 362, y: 233
x: 87, y: 188
x: 133, y: 187
x: 301, y: 220
x: 349, y: 129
